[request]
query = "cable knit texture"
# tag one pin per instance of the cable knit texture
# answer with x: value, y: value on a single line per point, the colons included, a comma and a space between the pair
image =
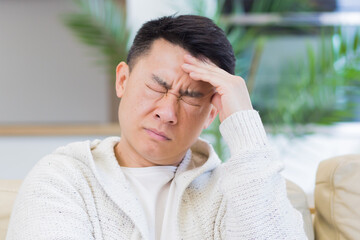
x: 79, y: 192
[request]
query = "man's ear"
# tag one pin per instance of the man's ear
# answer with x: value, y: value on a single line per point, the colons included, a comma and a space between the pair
x: 212, y: 115
x: 122, y: 76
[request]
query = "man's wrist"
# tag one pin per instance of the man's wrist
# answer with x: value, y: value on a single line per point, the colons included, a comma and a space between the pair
x: 243, y: 130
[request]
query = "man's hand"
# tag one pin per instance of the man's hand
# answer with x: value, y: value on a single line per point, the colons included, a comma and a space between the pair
x: 231, y: 92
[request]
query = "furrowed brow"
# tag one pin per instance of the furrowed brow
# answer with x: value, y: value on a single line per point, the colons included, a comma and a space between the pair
x: 193, y: 94
x: 187, y: 93
x: 160, y: 81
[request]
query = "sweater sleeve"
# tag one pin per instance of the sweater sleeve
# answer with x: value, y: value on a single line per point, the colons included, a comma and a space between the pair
x: 257, y: 205
x: 49, y: 206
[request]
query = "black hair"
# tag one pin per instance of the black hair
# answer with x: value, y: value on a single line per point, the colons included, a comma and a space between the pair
x: 198, y: 35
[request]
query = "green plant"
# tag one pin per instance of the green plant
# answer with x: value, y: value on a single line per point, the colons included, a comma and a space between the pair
x: 101, y: 24
x: 248, y: 44
x: 317, y: 90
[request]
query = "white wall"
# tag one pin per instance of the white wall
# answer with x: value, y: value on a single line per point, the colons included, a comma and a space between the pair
x: 46, y: 75
x: 19, y: 154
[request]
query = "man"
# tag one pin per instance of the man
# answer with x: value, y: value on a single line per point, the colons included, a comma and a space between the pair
x: 159, y: 181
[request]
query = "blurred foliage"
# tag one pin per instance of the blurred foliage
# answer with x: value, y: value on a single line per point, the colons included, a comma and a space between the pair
x: 280, y: 6
x: 102, y: 25
x: 318, y: 89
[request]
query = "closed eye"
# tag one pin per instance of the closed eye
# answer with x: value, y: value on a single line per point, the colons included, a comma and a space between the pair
x: 157, y: 88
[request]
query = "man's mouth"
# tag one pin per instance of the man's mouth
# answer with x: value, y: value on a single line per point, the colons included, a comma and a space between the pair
x: 157, y: 134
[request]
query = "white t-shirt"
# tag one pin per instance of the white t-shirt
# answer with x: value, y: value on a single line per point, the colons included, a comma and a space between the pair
x: 156, y: 191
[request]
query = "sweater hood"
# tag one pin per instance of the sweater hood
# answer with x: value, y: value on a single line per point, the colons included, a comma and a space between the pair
x: 99, y: 156
x: 199, y: 159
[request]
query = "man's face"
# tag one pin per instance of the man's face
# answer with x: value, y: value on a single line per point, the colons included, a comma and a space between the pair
x: 162, y: 110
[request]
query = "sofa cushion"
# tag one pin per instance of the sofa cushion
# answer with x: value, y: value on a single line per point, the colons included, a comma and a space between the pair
x: 8, y: 191
x: 337, y: 198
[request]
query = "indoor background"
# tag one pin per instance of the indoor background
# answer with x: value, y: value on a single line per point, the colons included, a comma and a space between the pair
x: 301, y: 61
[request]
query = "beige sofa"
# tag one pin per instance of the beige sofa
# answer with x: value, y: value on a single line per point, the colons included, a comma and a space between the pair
x: 8, y: 191
x: 337, y: 200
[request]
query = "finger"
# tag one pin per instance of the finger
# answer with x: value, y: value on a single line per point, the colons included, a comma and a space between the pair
x: 209, y: 77
x: 192, y: 68
x: 206, y: 64
x: 199, y: 73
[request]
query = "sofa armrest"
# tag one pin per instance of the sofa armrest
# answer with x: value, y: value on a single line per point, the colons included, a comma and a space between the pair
x: 8, y: 192
x: 337, y: 198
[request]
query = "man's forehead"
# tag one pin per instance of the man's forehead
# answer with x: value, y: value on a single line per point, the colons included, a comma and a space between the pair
x: 162, y: 48
x: 163, y: 63
x: 161, y: 42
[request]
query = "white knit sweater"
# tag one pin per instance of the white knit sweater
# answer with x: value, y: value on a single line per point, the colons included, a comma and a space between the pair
x: 79, y: 192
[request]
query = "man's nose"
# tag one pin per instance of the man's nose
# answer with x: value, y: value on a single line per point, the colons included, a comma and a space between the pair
x: 167, y: 108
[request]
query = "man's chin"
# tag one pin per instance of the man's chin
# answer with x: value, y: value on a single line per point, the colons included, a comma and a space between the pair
x: 160, y: 157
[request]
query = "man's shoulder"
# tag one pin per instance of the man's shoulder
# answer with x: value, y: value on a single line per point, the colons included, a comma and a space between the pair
x: 72, y: 158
